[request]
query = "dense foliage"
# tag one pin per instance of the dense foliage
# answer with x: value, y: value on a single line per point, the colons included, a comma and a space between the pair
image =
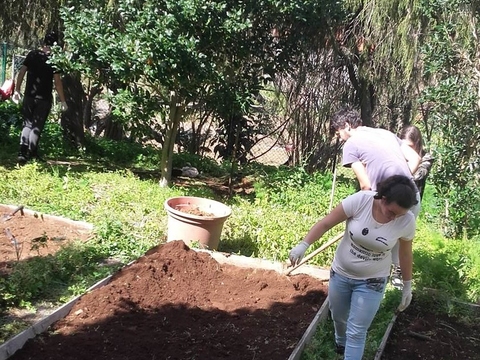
x: 170, y: 57
x: 161, y: 61
x: 452, y: 104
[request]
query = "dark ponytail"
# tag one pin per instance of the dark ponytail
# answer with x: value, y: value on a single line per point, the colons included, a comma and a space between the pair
x: 399, y: 189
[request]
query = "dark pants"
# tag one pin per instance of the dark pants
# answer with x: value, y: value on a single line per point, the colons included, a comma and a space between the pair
x: 35, y: 113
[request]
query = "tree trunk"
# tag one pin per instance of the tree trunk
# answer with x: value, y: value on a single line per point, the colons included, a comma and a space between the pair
x: 113, y: 129
x: 87, y: 107
x: 72, y: 119
x: 366, y: 98
x: 176, y: 112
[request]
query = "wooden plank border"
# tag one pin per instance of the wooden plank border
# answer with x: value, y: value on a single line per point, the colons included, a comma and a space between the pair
x: 9, y: 347
x: 307, y: 336
x: 82, y: 224
x: 386, y: 335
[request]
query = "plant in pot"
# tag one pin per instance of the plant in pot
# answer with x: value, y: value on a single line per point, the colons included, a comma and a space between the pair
x: 195, y: 219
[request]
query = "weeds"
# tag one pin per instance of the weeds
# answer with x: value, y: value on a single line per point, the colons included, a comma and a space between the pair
x: 39, y: 243
x: 18, y: 246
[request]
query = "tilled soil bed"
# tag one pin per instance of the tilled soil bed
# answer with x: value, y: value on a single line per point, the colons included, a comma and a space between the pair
x: 421, y: 333
x: 27, y: 234
x: 176, y: 303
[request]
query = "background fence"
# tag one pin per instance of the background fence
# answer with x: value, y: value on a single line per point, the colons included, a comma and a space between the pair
x: 12, y: 60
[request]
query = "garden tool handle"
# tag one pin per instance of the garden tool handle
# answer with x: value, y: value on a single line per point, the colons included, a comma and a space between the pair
x: 316, y: 252
x: 17, y: 209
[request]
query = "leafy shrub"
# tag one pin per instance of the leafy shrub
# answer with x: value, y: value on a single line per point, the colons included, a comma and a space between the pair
x: 121, y: 152
x: 10, y: 115
x: 10, y: 126
x: 52, y: 143
x: 452, y: 99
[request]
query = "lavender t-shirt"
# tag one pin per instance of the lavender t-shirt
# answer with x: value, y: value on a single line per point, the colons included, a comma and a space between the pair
x: 379, y: 150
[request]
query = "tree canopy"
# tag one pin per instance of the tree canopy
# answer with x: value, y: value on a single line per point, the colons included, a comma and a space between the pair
x: 168, y: 54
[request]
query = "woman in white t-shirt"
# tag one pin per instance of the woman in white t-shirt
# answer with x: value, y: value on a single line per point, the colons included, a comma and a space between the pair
x: 375, y: 222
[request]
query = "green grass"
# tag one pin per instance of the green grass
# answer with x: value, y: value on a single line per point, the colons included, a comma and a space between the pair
x: 126, y: 207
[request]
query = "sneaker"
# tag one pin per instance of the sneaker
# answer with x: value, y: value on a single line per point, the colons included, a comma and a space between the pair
x: 396, y: 278
x: 23, y: 154
x: 339, y: 349
x: 22, y: 159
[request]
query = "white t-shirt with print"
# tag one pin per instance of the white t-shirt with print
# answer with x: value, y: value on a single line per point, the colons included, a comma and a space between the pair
x: 365, y: 250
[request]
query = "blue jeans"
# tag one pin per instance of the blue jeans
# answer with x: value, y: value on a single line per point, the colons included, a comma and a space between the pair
x: 353, y: 304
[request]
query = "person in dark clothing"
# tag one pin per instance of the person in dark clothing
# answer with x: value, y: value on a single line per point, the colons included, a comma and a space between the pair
x: 412, y: 136
x: 38, y: 97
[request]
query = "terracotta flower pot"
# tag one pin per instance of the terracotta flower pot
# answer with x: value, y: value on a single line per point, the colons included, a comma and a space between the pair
x: 196, y: 219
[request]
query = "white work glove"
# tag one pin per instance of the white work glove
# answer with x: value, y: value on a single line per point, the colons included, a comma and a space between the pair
x: 16, y: 97
x: 298, y: 252
x: 406, y: 295
x: 64, y: 106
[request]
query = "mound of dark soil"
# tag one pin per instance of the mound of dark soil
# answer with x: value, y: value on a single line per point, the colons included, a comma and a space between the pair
x: 176, y: 303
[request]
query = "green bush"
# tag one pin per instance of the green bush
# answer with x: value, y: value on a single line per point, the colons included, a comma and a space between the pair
x: 10, y: 126
x: 121, y: 152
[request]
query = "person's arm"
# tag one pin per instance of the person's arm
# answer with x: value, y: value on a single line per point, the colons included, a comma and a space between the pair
x: 411, y: 156
x: 406, y: 258
x: 424, y: 167
x: 406, y: 264
x: 17, y: 97
x: 59, y: 87
x: 336, y: 216
x: 20, y: 76
x: 361, y: 174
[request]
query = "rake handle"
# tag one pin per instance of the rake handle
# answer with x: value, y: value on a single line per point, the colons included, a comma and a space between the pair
x: 316, y: 252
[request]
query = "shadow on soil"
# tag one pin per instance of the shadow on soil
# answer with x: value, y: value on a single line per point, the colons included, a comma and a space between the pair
x: 174, y: 331
x: 426, y: 330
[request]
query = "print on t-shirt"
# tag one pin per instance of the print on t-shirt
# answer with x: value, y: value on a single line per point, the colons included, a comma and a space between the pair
x: 362, y: 253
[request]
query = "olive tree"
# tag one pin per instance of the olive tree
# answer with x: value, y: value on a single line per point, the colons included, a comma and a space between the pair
x: 24, y: 22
